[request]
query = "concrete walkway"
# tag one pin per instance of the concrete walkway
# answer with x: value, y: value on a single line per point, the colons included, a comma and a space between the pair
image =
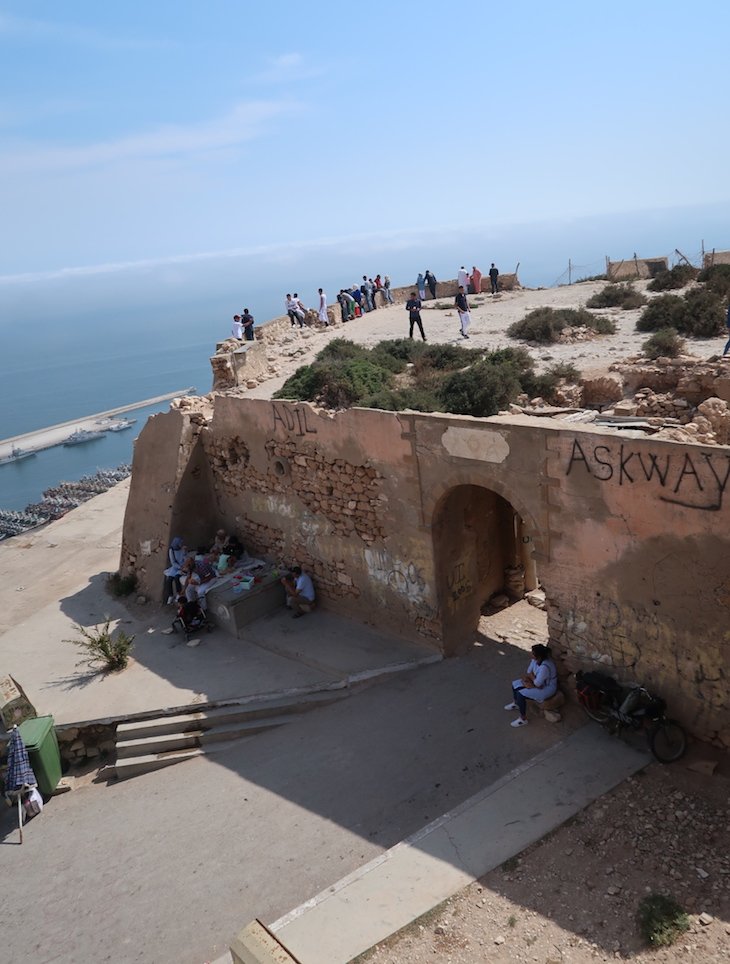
x: 55, y: 578
x: 388, y: 893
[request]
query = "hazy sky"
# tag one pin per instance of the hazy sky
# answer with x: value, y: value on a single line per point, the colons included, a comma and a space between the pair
x: 160, y: 130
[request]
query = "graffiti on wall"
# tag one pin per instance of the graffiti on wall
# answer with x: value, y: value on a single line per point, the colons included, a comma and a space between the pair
x: 458, y: 582
x: 612, y: 632
x: 696, y: 481
x: 293, y: 419
x: 404, y: 578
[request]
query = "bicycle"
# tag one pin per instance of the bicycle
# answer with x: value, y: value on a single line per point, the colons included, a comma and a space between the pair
x: 616, y: 707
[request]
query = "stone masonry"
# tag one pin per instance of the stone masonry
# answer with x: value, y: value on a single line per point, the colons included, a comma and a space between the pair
x: 408, y: 521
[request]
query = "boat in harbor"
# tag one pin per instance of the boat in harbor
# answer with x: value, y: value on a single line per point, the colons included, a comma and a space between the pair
x: 119, y: 424
x: 16, y: 455
x: 82, y: 435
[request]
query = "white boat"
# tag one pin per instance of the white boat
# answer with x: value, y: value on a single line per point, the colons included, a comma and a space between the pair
x: 119, y: 424
x: 16, y: 455
x: 82, y: 435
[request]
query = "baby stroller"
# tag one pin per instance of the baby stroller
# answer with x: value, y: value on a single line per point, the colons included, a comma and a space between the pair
x: 191, y: 619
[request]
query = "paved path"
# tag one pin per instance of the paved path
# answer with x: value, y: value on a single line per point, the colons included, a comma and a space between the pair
x: 499, y: 822
x: 168, y: 866
x: 55, y: 578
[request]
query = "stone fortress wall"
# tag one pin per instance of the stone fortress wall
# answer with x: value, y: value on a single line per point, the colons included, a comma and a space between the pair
x: 407, y: 521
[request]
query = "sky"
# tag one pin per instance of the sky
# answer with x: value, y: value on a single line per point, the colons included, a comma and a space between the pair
x: 162, y: 144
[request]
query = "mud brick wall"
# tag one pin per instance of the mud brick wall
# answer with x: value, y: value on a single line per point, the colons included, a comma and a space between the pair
x: 408, y: 520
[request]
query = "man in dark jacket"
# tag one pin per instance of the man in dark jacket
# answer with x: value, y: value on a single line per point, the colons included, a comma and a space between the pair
x: 413, y: 307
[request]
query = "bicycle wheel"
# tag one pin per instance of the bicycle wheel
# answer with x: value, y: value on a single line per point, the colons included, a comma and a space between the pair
x: 667, y: 741
x: 599, y: 711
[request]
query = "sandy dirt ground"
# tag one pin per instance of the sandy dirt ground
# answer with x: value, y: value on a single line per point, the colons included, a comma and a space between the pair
x: 491, y: 317
x: 573, y: 896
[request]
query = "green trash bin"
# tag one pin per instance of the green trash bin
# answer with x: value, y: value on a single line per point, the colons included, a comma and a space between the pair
x: 40, y: 741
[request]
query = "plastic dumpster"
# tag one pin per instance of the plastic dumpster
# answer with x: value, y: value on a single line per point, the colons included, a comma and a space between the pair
x: 40, y: 741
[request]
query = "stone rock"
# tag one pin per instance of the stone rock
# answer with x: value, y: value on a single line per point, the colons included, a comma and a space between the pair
x: 93, y: 751
x: 536, y: 598
x: 499, y: 940
x: 552, y: 716
x: 705, y: 919
x: 500, y: 601
x: 67, y: 736
x: 603, y: 390
x: 625, y: 407
x: 141, y: 600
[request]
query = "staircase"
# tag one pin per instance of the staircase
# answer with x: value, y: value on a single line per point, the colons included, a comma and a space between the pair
x: 145, y: 745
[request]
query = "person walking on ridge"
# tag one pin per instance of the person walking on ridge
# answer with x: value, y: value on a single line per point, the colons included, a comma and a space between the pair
x: 462, y: 279
x: 493, y: 276
x: 462, y: 308
x: 322, y: 313
x: 413, y: 307
x: 476, y: 280
x: 386, y: 289
x: 421, y: 285
x: 237, y: 328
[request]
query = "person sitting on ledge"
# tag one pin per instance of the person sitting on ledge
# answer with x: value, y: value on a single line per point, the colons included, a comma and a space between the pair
x: 177, y: 554
x: 539, y: 683
x: 221, y: 541
x: 197, y: 573
x: 300, y: 595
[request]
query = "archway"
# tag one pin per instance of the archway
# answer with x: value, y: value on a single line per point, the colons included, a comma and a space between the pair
x: 478, y: 537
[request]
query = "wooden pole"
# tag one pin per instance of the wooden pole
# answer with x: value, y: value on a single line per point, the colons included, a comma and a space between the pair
x: 683, y: 257
x: 570, y: 272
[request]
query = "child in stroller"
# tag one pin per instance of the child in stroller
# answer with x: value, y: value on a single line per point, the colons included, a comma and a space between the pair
x: 191, y: 618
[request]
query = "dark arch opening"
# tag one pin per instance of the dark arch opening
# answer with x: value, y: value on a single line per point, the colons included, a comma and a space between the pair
x: 482, y: 548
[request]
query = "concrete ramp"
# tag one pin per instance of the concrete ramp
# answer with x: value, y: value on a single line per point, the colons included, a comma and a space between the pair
x: 456, y: 849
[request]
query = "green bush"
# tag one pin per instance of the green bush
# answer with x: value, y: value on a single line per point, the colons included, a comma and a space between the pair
x: 565, y: 370
x: 716, y: 279
x: 420, y: 399
x: 664, y: 343
x: 99, y: 646
x: 120, y: 585
x: 617, y: 296
x: 704, y: 315
x: 677, y: 277
x: 443, y: 358
x: 700, y: 314
x: 544, y: 325
x: 662, y: 312
x: 661, y: 920
x: 339, y: 349
x: 481, y: 390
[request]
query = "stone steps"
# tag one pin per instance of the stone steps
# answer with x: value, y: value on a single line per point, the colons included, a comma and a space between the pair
x: 145, y: 745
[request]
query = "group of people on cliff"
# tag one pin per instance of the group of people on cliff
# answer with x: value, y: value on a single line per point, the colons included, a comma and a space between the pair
x: 357, y: 300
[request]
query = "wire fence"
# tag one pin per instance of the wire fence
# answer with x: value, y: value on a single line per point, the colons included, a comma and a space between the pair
x: 597, y: 269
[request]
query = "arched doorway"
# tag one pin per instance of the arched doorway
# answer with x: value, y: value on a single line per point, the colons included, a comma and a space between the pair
x: 478, y: 537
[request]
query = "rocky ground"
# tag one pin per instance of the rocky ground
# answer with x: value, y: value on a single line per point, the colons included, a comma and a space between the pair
x: 573, y: 896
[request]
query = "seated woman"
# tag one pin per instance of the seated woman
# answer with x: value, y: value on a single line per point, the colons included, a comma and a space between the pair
x: 539, y: 683
x: 177, y: 554
x: 198, y: 575
x: 220, y: 541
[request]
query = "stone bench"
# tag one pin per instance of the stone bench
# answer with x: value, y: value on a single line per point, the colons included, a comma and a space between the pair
x: 550, y: 708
